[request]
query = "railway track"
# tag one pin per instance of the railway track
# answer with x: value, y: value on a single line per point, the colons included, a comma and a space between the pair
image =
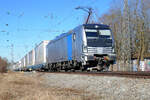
x: 144, y: 75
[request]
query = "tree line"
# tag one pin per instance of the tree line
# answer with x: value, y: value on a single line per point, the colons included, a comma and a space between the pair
x: 130, y: 24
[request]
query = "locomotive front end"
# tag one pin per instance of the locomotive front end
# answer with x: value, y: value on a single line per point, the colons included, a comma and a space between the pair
x: 98, y: 47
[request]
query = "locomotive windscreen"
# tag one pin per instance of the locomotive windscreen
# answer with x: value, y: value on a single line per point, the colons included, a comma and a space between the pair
x: 98, y: 37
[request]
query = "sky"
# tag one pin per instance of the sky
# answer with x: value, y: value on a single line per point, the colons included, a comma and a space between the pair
x: 25, y: 23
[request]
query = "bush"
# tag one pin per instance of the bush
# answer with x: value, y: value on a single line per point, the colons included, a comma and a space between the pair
x: 3, y: 65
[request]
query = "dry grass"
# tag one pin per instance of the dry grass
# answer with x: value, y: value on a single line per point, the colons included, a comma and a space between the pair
x: 17, y: 86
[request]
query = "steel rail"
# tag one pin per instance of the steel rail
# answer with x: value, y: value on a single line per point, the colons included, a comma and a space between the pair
x: 144, y: 75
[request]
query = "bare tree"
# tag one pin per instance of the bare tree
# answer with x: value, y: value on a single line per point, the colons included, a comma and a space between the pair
x: 3, y: 65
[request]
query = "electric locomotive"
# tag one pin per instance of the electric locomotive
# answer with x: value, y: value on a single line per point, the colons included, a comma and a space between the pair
x: 87, y: 47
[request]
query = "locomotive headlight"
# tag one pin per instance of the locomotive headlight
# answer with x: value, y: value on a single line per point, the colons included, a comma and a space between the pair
x: 84, y: 48
x: 113, y: 50
x: 96, y: 26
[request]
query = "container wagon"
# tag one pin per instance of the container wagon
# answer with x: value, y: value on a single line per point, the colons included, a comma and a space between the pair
x: 38, y: 58
x: 31, y: 60
x: 23, y: 64
x: 35, y: 59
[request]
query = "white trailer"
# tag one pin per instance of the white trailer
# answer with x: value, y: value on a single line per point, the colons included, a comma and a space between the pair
x: 23, y: 62
x: 31, y: 58
x: 27, y: 60
x: 40, y: 53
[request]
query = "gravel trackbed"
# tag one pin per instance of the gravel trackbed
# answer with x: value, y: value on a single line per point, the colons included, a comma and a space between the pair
x: 106, y: 87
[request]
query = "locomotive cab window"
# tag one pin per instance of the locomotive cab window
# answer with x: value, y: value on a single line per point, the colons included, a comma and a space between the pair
x: 98, y: 37
x: 74, y: 36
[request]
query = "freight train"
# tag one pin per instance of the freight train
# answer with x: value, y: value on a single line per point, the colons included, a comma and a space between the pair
x: 86, y: 47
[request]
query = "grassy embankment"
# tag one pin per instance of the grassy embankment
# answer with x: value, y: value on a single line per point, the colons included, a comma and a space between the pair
x: 18, y: 86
